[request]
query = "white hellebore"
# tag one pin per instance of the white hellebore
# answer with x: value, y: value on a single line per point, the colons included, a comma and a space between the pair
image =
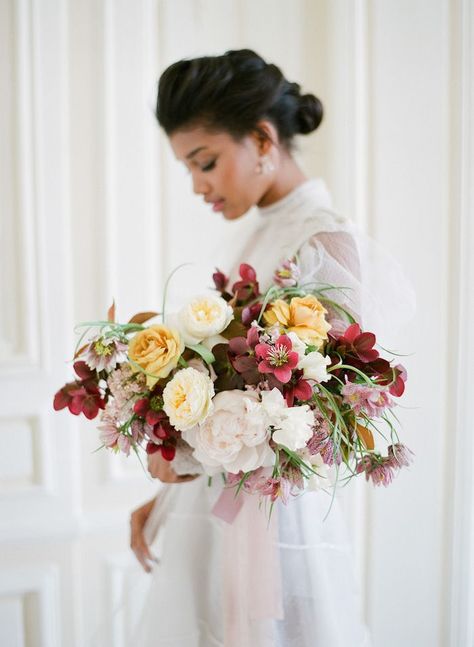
x: 313, y: 364
x: 187, y: 398
x: 325, y: 474
x: 234, y: 437
x: 203, y: 318
x: 293, y: 426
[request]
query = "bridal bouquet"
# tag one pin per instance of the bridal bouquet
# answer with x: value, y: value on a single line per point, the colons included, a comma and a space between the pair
x: 275, y: 391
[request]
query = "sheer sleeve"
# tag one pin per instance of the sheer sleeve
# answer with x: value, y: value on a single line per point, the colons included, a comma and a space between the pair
x: 362, y: 276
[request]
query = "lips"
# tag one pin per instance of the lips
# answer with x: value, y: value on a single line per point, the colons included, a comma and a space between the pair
x: 218, y: 205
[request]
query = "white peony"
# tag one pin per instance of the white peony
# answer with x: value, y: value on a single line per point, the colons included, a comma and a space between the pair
x: 293, y: 426
x: 187, y: 398
x: 234, y: 437
x: 314, y: 366
x: 202, y: 318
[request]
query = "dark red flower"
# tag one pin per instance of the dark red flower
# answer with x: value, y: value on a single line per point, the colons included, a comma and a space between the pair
x: 355, y: 341
x: 251, y: 313
x: 168, y: 450
x: 297, y: 389
x: 247, y: 288
x: 80, y: 397
x: 278, y: 358
x: 220, y: 280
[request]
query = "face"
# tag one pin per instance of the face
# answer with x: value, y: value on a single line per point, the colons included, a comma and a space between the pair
x: 223, y: 171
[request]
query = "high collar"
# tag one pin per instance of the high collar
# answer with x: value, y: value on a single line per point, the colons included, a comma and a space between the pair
x: 313, y: 191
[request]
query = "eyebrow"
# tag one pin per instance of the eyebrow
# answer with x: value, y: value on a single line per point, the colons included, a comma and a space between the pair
x: 196, y: 150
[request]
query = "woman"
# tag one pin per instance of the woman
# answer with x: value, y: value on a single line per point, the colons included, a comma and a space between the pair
x: 231, y: 120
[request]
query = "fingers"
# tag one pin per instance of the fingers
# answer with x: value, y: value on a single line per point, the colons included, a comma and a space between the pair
x: 137, y: 541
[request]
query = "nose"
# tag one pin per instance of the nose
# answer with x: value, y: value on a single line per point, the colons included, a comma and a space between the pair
x: 200, y: 185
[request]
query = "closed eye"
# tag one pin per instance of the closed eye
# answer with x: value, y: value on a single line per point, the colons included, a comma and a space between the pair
x: 209, y: 167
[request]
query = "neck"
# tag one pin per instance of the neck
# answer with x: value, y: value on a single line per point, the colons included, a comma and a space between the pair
x: 288, y: 177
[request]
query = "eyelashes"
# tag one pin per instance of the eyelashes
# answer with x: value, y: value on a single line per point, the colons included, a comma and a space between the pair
x: 209, y: 167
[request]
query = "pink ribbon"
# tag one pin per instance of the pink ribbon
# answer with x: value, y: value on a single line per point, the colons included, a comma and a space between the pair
x: 251, y: 567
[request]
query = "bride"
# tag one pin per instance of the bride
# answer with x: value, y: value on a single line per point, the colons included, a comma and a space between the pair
x: 231, y: 120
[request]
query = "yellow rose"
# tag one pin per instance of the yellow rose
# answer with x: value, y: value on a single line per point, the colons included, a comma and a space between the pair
x: 303, y: 315
x: 279, y: 313
x: 156, y: 350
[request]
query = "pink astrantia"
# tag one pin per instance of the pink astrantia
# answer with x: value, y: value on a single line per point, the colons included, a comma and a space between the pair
x: 362, y: 398
x: 278, y: 358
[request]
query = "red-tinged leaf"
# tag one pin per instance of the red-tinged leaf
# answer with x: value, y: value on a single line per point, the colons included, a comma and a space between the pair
x: 83, y: 370
x: 61, y: 400
x: 238, y: 345
x: 234, y: 329
x: 141, y: 317
x: 243, y: 363
x: 111, y: 312
x: 168, y: 452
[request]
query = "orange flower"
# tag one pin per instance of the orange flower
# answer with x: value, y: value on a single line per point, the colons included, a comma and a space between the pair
x: 303, y: 316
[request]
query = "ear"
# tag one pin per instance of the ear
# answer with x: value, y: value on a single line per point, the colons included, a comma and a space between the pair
x: 265, y: 135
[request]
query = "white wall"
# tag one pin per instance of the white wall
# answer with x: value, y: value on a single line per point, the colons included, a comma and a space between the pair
x: 93, y: 206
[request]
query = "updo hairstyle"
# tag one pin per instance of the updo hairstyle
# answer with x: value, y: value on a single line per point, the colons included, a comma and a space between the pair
x: 231, y: 93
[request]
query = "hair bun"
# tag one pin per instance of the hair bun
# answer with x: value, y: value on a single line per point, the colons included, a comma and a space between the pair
x: 310, y: 113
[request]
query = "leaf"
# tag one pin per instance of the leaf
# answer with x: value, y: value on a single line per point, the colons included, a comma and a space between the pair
x: 204, y: 352
x: 234, y: 329
x: 365, y: 435
x: 80, y: 351
x: 111, y: 312
x: 141, y: 317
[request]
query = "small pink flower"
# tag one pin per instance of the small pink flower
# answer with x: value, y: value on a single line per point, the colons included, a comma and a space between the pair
x: 370, y: 400
x: 377, y: 469
x: 399, y: 456
x: 287, y: 274
x: 277, y: 358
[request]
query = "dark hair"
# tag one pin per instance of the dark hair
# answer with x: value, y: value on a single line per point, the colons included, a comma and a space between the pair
x: 232, y: 92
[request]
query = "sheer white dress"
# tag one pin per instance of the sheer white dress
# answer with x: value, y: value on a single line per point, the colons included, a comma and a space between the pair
x: 203, y: 591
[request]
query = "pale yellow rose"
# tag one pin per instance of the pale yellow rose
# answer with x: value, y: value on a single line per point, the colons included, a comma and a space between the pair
x: 303, y: 315
x: 187, y: 398
x: 156, y: 350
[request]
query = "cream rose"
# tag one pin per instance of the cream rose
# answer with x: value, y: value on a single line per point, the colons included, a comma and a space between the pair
x: 156, y: 350
x: 202, y: 318
x: 187, y: 398
x: 234, y: 437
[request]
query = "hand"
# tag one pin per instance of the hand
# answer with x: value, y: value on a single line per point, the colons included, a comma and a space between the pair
x: 160, y: 468
x: 137, y: 538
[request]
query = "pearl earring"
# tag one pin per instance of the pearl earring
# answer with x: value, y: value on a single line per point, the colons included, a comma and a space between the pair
x: 265, y: 165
